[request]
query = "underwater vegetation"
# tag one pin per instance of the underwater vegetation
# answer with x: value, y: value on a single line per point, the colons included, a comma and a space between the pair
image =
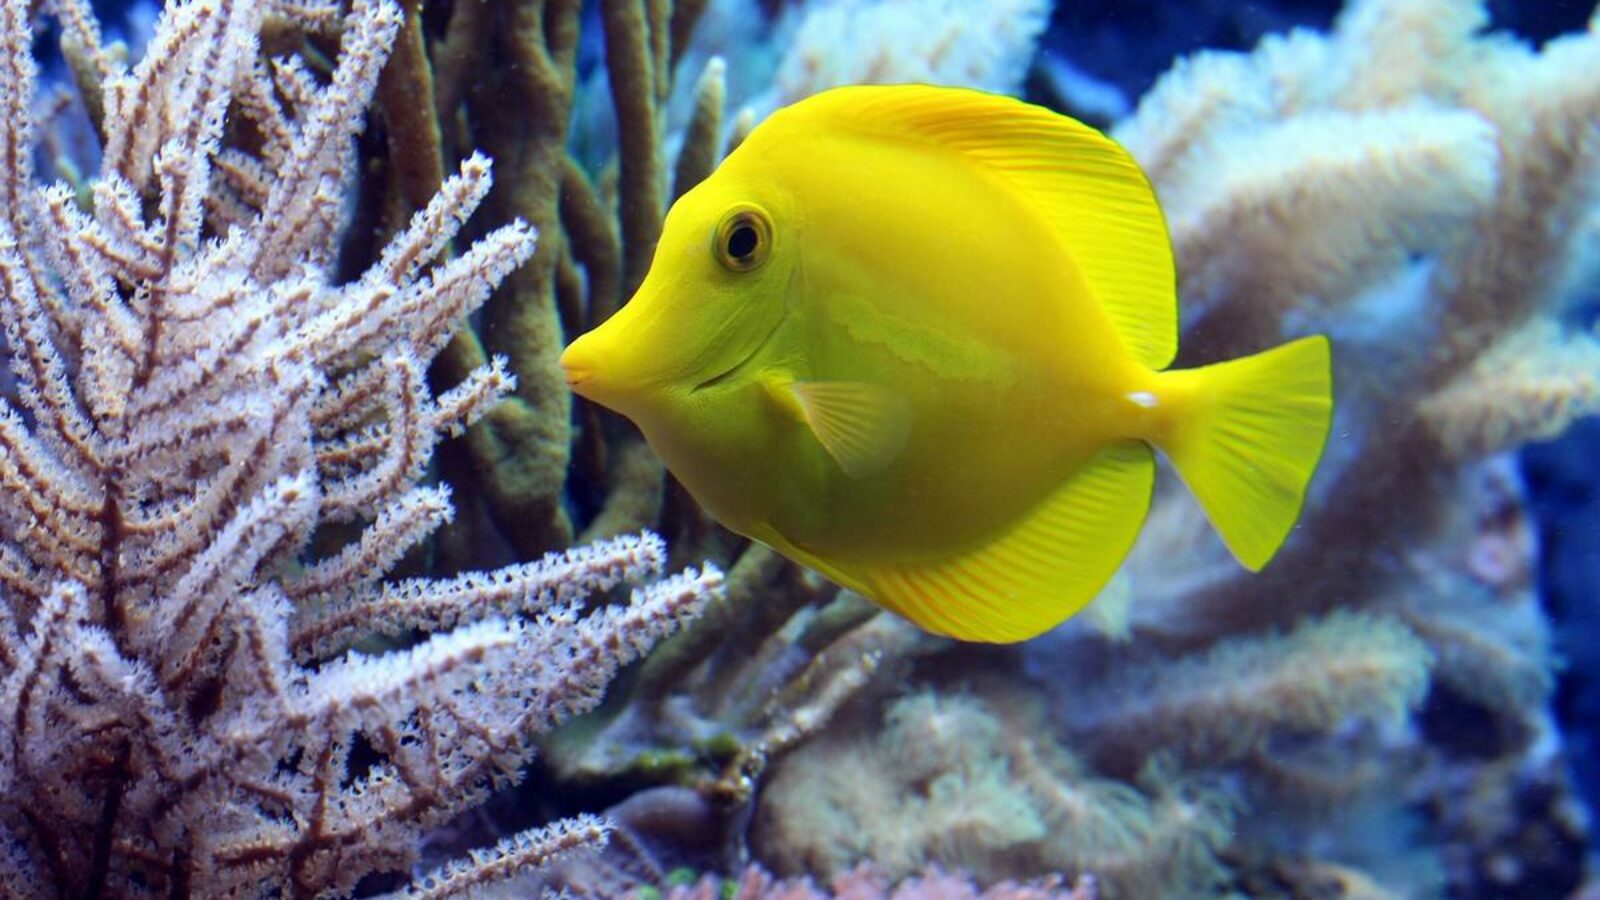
x: 308, y: 556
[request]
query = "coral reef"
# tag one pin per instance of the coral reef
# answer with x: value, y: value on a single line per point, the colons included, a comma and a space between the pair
x: 1436, y: 237
x: 1418, y: 186
x: 1492, y: 201
x: 1228, y: 703
x: 1368, y: 717
x: 211, y: 456
x: 978, y: 781
x: 865, y: 884
x: 932, y: 41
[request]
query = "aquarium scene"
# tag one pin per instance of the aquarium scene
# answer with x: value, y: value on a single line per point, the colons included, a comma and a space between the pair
x: 800, y: 449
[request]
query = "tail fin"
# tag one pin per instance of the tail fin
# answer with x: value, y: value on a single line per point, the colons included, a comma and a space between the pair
x: 1246, y: 437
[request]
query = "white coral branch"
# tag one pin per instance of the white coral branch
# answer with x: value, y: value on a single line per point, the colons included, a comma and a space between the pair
x: 197, y: 395
x: 510, y: 857
x: 432, y: 604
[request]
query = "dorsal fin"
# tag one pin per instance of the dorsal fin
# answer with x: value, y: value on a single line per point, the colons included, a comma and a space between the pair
x: 1086, y: 185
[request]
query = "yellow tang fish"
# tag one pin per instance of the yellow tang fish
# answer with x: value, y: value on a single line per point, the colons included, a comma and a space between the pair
x: 911, y: 337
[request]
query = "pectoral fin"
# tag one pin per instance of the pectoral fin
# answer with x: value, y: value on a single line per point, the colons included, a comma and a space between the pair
x: 864, y: 427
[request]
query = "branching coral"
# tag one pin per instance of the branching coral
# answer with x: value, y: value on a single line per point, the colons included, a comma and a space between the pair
x: 196, y: 397
x: 1492, y: 148
x: 837, y: 42
x: 866, y: 884
x: 1530, y: 386
x: 1491, y: 205
x: 1226, y: 704
x: 978, y: 781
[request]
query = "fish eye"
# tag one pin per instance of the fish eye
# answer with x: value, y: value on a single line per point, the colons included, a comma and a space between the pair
x: 743, y: 239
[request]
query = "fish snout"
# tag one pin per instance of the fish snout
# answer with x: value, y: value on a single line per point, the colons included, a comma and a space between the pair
x: 578, y: 366
x: 608, y: 365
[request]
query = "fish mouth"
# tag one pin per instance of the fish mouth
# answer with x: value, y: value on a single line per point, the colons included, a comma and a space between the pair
x: 576, y: 371
x: 575, y: 377
x: 743, y: 363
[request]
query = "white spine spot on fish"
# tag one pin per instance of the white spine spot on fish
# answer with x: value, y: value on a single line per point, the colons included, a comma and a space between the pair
x: 1143, y: 399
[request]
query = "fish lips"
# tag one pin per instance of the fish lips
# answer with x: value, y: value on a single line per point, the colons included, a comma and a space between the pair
x: 577, y: 368
x: 583, y: 366
x: 599, y: 367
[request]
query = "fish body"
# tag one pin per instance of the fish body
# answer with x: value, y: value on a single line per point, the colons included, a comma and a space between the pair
x: 911, y: 337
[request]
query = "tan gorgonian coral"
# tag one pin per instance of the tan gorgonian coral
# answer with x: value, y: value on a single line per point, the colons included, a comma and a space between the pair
x: 985, y: 46
x: 1223, y: 705
x: 194, y: 397
x: 1530, y: 386
x: 867, y: 883
x: 1417, y: 188
x: 978, y: 782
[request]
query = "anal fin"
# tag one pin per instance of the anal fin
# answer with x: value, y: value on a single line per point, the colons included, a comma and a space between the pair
x: 1032, y: 577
